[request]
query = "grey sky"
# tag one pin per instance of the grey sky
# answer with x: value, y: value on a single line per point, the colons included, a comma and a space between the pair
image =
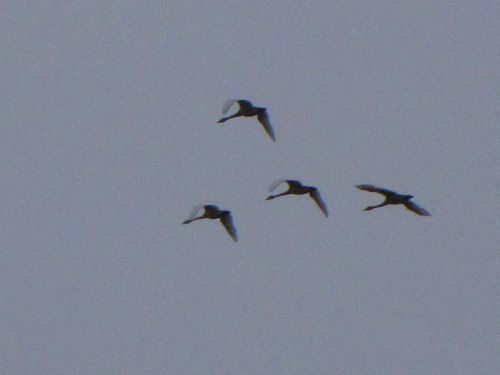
x: 109, y: 138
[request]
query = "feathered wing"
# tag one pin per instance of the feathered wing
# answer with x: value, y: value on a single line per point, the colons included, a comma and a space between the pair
x: 317, y: 199
x: 194, y: 212
x: 264, y: 120
x: 245, y: 105
x: 275, y: 184
x: 416, y: 208
x: 375, y: 189
x: 294, y: 184
x: 227, y: 221
x: 211, y: 210
x: 228, y: 105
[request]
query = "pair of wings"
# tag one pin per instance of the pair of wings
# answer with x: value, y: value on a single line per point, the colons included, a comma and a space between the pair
x: 314, y: 194
x: 387, y: 193
x: 246, y: 106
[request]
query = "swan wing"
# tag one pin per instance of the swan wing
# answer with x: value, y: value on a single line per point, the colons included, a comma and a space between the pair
x: 245, y: 105
x: 416, y: 208
x: 275, y: 184
x: 375, y: 189
x: 228, y: 105
x: 227, y: 221
x: 193, y: 214
x: 317, y: 199
x: 264, y: 120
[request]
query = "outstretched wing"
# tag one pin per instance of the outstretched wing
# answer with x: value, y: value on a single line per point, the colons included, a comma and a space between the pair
x: 211, y: 210
x: 245, y: 105
x: 375, y: 189
x: 228, y: 105
x: 227, y: 221
x: 275, y: 184
x: 194, y: 212
x: 317, y: 198
x: 294, y: 184
x: 416, y: 208
x: 264, y: 120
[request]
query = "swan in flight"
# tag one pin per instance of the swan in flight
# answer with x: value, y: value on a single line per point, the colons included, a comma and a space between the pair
x: 392, y: 197
x: 213, y: 212
x: 248, y: 110
x: 295, y: 187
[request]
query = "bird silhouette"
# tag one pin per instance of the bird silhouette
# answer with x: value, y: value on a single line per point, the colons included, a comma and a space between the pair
x: 213, y: 212
x: 248, y: 110
x: 392, y: 197
x: 295, y: 187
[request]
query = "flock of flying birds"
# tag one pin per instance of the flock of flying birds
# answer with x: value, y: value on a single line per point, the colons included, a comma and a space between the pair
x: 295, y: 187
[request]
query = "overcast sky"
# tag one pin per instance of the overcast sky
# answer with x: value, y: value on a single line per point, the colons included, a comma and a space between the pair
x: 109, y: 137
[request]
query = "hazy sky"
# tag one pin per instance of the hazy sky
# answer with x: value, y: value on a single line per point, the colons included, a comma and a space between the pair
x: 109, y: 138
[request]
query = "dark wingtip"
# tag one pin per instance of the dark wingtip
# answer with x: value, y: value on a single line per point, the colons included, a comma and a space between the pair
x: 221, y: 120
x: 269, y: 197
x: 186, y: 221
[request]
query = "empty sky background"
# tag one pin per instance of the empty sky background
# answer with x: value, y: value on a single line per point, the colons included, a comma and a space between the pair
x: 108, y: 139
